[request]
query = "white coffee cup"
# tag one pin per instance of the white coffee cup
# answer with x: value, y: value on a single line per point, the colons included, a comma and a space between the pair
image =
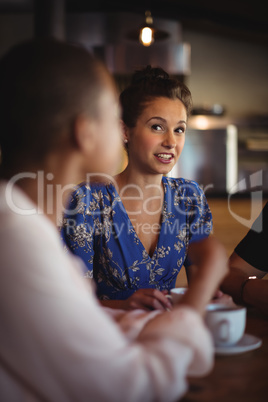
x: 176, y: 294
x: 226, y: 323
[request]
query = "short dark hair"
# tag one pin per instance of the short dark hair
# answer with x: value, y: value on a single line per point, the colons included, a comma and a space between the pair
x: 44, y: 85
x: 147, y: 84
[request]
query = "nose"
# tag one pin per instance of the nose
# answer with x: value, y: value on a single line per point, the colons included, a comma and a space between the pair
x: 169, y: 140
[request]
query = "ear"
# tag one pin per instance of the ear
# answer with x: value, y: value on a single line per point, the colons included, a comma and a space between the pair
x: 85, y: 134
x: 125, y: 131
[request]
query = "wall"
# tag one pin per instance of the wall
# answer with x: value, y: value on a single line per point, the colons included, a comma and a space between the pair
x: 231, y: 72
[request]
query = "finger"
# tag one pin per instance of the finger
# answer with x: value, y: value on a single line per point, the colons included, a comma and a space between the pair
x: 161, y: 298
x: 218, y: 294
x: 156, y: 294
x: 148, y: 302
x: 134, y: 305
x: 165, y: 292
x: 156, y: 304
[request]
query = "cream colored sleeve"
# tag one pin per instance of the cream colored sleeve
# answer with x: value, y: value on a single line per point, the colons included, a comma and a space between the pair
x: 184, y: 326
x: 57, y: 343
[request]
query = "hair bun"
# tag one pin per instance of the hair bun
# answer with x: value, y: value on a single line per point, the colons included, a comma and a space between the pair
x: 149, y: 73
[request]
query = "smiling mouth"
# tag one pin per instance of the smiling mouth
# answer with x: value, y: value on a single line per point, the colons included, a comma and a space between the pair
x: 164, y: 158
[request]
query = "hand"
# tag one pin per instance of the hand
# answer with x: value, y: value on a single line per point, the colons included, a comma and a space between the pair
x: 222, y: 298
x: 148, y: 299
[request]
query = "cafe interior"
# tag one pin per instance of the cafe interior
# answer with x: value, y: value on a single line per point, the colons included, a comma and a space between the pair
x: 220, y: 51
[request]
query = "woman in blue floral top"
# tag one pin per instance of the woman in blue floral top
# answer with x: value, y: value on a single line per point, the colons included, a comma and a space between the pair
x: 133, y: 231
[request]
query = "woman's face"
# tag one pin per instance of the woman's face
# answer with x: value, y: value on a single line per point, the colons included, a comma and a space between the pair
x: 157, y: 140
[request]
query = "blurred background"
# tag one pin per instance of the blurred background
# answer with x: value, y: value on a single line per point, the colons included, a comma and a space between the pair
x: 219, y: 49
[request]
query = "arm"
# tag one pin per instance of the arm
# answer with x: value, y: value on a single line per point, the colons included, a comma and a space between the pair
x: 209, y: 257
x: 78, y: 228
x: 58, y: 341
x: 190, y: 271
x: 200, y: 228
x: 219, y: 296
x: 250, y: 259
x: 200, y: 219
x: 255, y: 292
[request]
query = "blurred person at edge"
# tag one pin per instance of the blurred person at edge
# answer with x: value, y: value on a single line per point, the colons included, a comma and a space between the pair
x: 59, y: 116
x: 250, y: 261
x: 133, y: 231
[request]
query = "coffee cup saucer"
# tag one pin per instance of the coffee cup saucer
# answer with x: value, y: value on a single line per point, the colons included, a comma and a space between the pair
x: 247, y: 343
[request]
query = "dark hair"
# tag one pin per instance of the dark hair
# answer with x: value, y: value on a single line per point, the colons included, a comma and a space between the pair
x: 147, y: 84
x: 44, y: 85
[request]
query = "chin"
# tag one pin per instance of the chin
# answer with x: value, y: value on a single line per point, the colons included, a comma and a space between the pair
x: 163, y: 171
x: 166, y: 169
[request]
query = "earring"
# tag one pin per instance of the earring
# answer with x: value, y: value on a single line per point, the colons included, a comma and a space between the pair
x: 125, y: 140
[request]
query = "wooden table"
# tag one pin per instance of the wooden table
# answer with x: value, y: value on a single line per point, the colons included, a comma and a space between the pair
x: 237, y: 378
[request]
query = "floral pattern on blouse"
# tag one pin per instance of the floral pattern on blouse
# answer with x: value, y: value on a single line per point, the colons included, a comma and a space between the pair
x: 97, y: 228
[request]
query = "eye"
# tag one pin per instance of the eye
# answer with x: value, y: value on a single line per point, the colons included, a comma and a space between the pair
x: 157, y: 127
x: 180, y: 130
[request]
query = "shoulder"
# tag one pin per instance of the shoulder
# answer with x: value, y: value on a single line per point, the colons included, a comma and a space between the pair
x: 94, y: 189
x: 96, y: 182
x: 188, y: 197
x: 183, y: 186
x: 26, y: 232
x: 20, y: 218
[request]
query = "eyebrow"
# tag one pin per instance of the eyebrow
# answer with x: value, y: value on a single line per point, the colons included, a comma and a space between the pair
x: 164, y: 120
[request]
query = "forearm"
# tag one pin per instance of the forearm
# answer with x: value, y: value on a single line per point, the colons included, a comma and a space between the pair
x: 254, y: 293
x: 232, y: 284
x: 177, y: 325
x: 200, y: 292
x: 209, y: 258
x: 190, y: 272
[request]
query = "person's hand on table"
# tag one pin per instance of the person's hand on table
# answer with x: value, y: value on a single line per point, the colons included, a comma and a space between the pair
x: 145, y: 299
x: 148, y: 299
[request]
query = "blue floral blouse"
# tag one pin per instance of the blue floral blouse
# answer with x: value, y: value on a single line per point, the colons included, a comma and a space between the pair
x: 98, y: 229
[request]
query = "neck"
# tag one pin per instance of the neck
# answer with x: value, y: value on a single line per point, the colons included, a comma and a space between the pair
x: 133, y: 176
x: 138, y: 190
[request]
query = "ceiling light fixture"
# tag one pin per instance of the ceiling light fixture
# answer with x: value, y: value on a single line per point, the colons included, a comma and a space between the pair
x: 147, y: 34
